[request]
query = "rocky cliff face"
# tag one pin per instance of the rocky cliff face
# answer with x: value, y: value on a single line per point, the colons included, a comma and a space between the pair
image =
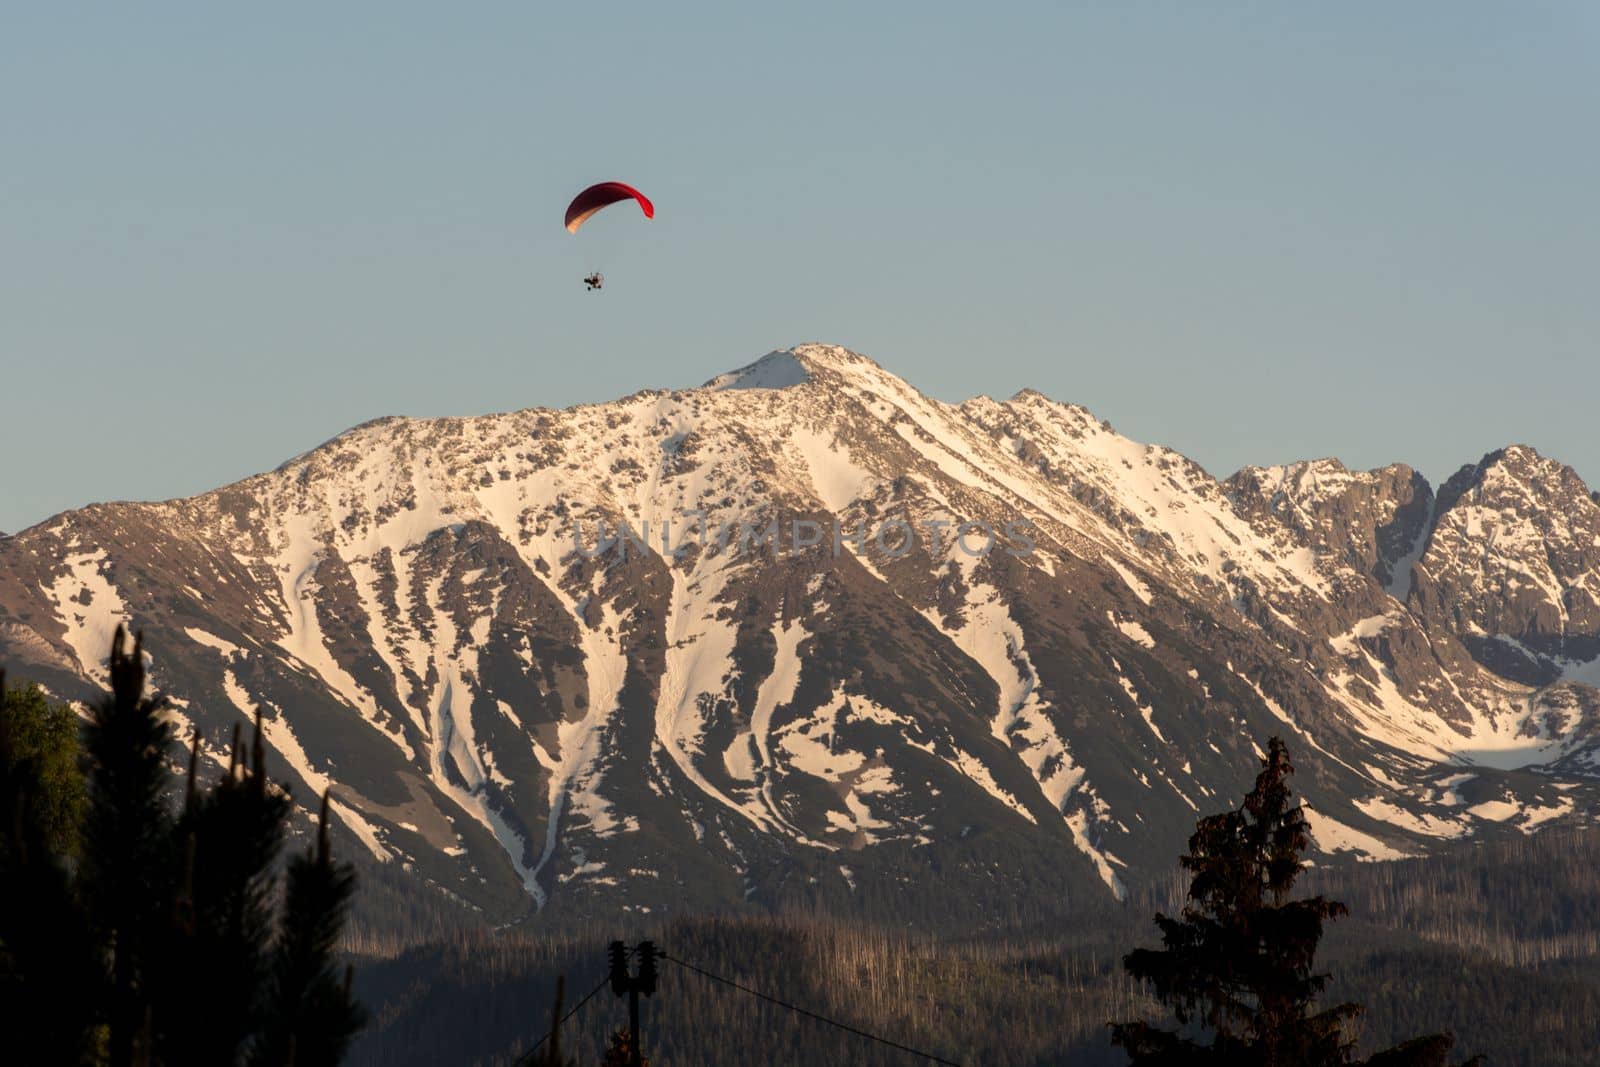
x: 1373, y: 522
x: 806, y: 635
x: 1513, y: 565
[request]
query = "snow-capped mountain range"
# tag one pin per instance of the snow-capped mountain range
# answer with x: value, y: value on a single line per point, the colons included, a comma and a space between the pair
x: 723, y: 644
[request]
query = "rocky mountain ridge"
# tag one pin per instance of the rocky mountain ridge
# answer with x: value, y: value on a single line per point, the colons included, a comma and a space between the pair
x: 806, y: 636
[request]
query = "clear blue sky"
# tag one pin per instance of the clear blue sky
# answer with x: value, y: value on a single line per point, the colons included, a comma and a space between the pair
x: 1254, y: 232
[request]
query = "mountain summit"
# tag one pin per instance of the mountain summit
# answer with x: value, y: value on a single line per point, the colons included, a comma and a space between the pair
x: 804, y: 635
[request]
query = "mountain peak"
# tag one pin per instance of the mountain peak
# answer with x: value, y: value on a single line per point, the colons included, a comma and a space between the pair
x: 799, y: 365
x: 1513, y: 465
x: 775, y: 370
x: 834, y: 356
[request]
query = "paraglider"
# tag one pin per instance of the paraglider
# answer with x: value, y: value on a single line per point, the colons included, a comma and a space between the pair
x: 602, y: 195
x: 598, y: 196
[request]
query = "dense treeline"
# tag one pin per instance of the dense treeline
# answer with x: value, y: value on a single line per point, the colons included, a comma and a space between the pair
x: 1515, y: 1017
x: 393, y: 912
x: 999, y: 1001
x: 1491, y: 943
x: 992, y: 1003
x: 1527, y: 901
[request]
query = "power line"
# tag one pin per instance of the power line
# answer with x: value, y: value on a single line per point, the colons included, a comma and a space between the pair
x: 802, y: 1011
x: 527, y: 1057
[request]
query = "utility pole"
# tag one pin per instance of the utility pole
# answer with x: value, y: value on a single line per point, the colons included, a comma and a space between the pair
x: 644, y: 982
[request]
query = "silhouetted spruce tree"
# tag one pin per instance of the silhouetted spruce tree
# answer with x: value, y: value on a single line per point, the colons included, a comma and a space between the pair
x: 311, y: 1015
x: 130, y: 862
x: 1236, y: 971
x: 229, y: 838
x: 49, y: 973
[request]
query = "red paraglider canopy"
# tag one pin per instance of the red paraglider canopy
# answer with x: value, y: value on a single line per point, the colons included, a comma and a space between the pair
x: 602, y: 195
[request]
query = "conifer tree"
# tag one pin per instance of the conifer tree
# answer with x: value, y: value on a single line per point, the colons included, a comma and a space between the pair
x: 48, y: 970
x: 1237, y: 970
x: 312, y: 1014
x: 129, y: 868
x: 229, y: 838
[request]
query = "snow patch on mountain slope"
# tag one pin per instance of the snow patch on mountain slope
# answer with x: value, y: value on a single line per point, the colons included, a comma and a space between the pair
x: 1102, y: 858
x: 1507, y: 741
x: 836, y: 479
x: 809, y: 743
x: 1581, y: 672
x: 1495, y: 810
x: 778, y: 687
x: 1500, y: 736
x: 944, y: 453
x: 974, y: 770
x: 1384, y: 811
x: 1400, y: 579
x: 860, y: 820
x: 1175, y: 504
x: 241, y: 700
x: 1449, y: 789
x: 1131, y: 580
x: 391, y: 647
x: 957, y: 448
x: 775, y: 370
x: 276, y: 731
x: 90, y: 608
x: 814, y: 749
x: 1331, y: 835
x: 575, y: 782
x: 201, y: 637
x: 1378, y: 707
x: 296, y: 566
x: 1022, y: 722
x: 1366, y: 628
x: 575, y: 779
x: 1535, y: 815
x: 776, y: 690
x: 1132, y: 631
x: 450, y: 733
x: 699, y: 661
x: 740, y: 760
x: 1145, y: 711
x: 1388, y: 717
x: 1284, y: 717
